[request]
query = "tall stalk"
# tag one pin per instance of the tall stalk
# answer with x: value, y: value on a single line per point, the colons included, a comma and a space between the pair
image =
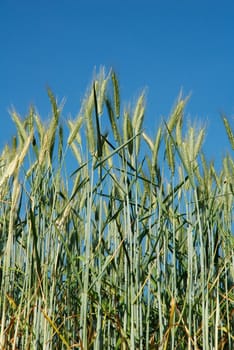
x: 110, y: 239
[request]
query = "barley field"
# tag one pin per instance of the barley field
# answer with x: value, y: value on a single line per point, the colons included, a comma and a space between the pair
x: 111, y: 239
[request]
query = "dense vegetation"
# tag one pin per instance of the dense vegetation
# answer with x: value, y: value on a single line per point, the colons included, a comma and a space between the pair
x: 110, y: 239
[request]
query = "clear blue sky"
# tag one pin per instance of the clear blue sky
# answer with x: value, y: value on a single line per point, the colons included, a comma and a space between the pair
x: 162, y: 45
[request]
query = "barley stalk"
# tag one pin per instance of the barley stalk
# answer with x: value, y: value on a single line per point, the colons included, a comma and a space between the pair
x: 131, y: 248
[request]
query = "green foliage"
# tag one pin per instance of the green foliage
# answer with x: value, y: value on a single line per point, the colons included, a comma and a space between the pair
x: 114, y: 241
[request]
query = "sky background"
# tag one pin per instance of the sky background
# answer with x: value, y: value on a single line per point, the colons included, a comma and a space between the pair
x: 164, y: 46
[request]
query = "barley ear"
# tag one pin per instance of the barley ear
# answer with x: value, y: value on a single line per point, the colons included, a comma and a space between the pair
x: 177, y: 113
x: 157, y: 143
x: 137, y: 120
x: 87, y: 108
x: 170, y: 155
x: 116, y: 94
x: 74, y: 129
x: 128, y: 131
x: 99, y: 137
x: 148, y: 140
x: 113, y: 121
x: 20, y: 126
x: 198, y: 144
x: 228, y: 131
